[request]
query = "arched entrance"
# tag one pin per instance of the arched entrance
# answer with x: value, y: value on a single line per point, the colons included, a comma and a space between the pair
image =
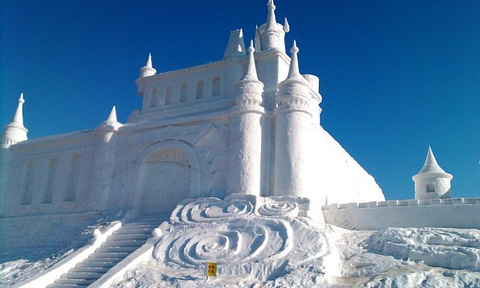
x: 168, y: 174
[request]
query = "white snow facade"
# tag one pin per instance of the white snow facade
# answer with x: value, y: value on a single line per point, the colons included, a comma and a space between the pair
x: 248, y: 124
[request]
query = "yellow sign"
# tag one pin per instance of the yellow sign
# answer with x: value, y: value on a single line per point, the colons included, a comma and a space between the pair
x: 212, y: 269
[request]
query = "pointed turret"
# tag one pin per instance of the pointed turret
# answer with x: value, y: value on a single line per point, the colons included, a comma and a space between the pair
x: 148, y: 69
x: 271, y: 19
x: 272, y: 34
x: 15, y: 131
x: 431, y: 165
x: 432, y: 181
x: 249, y: 89
x: 295, y: 86
x: 251, y: 73
x: 294, y: 115
x: 293, y: 70
x: 245, y: 137
x: 112, y: 118
x: 258, y: 42
x: 111, y: 124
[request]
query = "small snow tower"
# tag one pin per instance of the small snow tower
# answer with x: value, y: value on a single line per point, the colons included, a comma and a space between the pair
x: 432, y: 181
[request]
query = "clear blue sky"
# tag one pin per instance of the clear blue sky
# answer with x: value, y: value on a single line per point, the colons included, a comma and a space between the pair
x: 396, y: 76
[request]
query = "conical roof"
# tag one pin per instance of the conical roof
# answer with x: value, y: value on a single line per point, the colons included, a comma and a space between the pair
x: 431, y: 167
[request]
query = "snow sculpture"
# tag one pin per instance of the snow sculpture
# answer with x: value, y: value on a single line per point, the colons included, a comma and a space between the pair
x: 246, y: 124
x: 432, y: 181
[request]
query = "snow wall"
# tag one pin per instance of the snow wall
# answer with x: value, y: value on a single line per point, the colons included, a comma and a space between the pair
x: 445, y: 213
x: 43, y: 230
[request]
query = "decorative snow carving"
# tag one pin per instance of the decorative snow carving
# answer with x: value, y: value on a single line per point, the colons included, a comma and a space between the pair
x: 274, y: 207
x: 213, y: 209
x: 243, y: 243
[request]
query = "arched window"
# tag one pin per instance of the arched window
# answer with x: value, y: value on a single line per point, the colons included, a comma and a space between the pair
x: 49, y: 185
x: 29, y: 183
x: 199, y: 91
x: 154, y: 98
x: 430, y: 187
x: 71, y: 192
x: 168, y: 95
x: 216, y: 87
x: 183, y: 93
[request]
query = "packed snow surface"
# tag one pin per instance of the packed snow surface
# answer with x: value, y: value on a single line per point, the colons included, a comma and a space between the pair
x: 264, y: 242
x: 268, y: 242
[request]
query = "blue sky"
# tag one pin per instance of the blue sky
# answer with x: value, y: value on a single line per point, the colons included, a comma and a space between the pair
x: 396, y: 76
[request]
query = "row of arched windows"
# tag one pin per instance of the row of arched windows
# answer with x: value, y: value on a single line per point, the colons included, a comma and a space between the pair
x: 200, y: 93
x: 51, y: 183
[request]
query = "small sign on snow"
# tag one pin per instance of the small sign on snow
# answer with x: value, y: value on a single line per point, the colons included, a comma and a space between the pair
x: 211, y: 269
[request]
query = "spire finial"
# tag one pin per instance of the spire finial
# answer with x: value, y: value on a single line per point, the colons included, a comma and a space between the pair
x: 113, y: 115
x: 18, y: 117
x: 286, y: 26
x: 111, y: 124
x: 149, y: 61
x: 294, y: 70
x: 148, y: 69
x: 430, y: 160
x: 271, y: 20
x: 251, y: 73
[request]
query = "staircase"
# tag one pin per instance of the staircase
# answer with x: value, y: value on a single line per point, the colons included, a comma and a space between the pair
x: 117, y: 247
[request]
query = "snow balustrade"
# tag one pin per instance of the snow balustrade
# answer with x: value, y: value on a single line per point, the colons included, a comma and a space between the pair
x: 445, y: 213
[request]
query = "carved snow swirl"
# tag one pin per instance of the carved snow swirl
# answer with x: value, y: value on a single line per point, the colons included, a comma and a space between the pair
x: 274, y: 207
x: 213, y: 209
x: 231, y: 244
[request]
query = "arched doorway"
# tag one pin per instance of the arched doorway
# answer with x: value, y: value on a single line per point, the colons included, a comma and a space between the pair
x: 165, y: 180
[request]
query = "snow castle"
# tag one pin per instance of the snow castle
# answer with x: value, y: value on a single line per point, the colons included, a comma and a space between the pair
x: 247, y: 124
x: 231, y: 153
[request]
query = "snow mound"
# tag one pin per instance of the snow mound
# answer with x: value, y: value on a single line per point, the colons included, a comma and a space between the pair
x: 439, y: 247
x: 247, y: 236
x: 427, y: 279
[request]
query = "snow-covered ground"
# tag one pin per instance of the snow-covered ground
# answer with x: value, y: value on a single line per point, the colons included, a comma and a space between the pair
x: 263, y: 242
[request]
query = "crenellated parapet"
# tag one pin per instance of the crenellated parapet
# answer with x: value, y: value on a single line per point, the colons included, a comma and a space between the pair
x: 446, y: 213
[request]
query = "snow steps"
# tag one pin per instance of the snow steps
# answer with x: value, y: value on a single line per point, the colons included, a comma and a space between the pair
x: 117, y: 247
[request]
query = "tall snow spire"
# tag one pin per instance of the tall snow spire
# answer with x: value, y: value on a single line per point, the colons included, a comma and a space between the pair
x: 272, y: 34
x: 251, y: 73
x: 271, y: 20
x: 293, y: 70
x: 15, y: 131
x: 18, y: 117
x: 148, y: 69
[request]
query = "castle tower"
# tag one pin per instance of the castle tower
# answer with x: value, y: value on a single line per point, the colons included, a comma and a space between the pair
x: 271, y: 34
x: 432, y: 181
x: 245, y: 138
x: 15, y: 131
x: 292, y: 131
x: 104, y: 161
